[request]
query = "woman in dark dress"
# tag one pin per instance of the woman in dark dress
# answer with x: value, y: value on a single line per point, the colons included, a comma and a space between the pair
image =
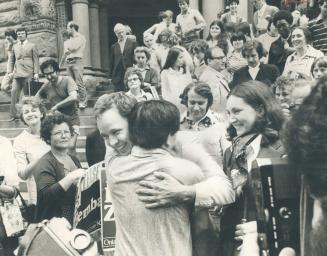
x: 57, y: 172
x: 255, y: 120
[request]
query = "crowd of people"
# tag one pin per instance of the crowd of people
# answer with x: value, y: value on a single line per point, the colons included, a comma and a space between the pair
x: 180, y: 134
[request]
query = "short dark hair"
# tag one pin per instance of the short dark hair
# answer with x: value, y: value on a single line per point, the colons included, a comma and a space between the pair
x: 119, y: 100
x: 253, y: 45
x: 209, y: 53
x: 233, y: 1
x: 320, y: 62
x: 283, y: 15
x: 143, y: 49
x: 258, y: 95
x: 198, y: 45
x: 151, y: 122
x: 49, y: 122
x: 11, y: 32
x: 237, y: 36
x: 200, y: 88
x: 73, y: 24
x: 181, y: 1
x: 244, y: 27
x: 21, y: 29
x: 50, y: 63
x: 36, y: 103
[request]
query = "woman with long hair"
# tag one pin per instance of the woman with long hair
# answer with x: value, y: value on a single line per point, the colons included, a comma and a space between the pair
x: 174, y: 77
x: 255, y: 121
x: 217, y: 36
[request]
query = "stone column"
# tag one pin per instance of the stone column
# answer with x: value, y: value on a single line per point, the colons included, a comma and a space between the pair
x: 243, y: 9
x: 210, y: 10
x: 61, y: 25
x: 81, y: 16
x: 194, y: 4
x: 104, y: 36
x: 95, y: 34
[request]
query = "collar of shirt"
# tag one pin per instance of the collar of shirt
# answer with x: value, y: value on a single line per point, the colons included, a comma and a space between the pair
x: 147, y: 67
x: 187, y: 12
x: 209, y: 119
x: 254, y: 71
x: 262, y: 10
x: 23, y: 43
x: 253, y: 151
x: 310, y: 52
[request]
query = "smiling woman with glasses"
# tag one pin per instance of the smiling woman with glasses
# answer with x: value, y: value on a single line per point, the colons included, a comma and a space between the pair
x: 57, y: 172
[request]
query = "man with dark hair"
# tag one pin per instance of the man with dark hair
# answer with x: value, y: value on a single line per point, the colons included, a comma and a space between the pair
x: 213, y: 76
x: 61, y: 92
x: 74, y: 52
x: 152, y: 129
x: 266, y: 73
x: 263, y: 10
x: 189, y: 23
x: 11, y: 37
x: 24, y: 64
x: 282, y: 47
x: 318, y: 28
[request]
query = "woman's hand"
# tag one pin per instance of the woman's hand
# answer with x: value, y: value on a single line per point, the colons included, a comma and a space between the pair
x: 76, y: 175
x: 245, y: 229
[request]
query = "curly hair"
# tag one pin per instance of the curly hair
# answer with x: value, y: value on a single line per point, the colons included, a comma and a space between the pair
x: 258, y: 95
x: 305, y: 137
x: 200, y: 88
x: 253, y: 45
x: 283, y: 15
x: 36, y: 103
x: 50, y: 122
x: 198, y: 45
x: 133, y: 71
x: 283, y: 83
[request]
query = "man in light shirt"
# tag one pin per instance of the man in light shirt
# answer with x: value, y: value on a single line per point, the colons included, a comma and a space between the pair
x: 263, y: 10
x: 74, y: 52
x: 189, y: 23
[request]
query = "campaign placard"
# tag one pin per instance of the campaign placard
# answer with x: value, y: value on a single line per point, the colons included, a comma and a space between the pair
x: 107, y: 217
x: 88, y: 201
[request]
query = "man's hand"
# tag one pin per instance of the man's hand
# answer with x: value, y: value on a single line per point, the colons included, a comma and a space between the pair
x: 36, y: 77
x: 168, y: 191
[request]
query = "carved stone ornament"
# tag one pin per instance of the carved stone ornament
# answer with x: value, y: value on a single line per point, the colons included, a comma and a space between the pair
x: 34, y: 9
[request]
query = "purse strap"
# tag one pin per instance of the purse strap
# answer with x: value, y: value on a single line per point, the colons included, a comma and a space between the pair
x: 21, y: 198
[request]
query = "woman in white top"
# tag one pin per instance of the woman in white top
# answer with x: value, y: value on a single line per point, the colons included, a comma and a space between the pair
x: 175, y: 77
x: 28, y: 146
x: 302, y: 59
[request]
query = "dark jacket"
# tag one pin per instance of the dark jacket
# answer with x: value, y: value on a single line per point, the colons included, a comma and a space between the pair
x: 278, y: 55
x: 267, y: 74
x: 244, y: 204
x: 120, y: 61
x: 50, y: 195
x: 95, y: 148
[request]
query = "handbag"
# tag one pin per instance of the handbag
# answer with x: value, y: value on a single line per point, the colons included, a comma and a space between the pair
x: 11, y: 218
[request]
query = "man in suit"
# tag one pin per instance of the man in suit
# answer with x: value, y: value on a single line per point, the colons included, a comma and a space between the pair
x: 24, y: 64
x: 282, y: 47
x: 263, y: 10
x: 216, y: 63
x: 121, y: 57
x: 266, y: 73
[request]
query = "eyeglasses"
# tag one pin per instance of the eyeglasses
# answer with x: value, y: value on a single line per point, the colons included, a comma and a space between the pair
x: 133, y: 79
x: 61, y: 133
x: 218, y: 58
x: 50, y: 73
